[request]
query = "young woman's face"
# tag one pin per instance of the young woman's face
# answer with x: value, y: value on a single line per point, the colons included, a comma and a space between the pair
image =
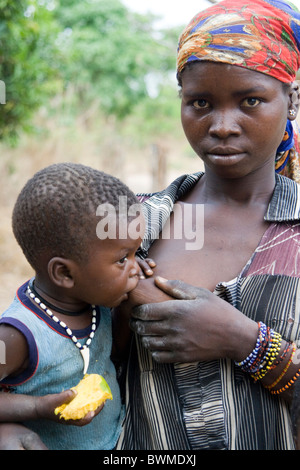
x: 234, y: 118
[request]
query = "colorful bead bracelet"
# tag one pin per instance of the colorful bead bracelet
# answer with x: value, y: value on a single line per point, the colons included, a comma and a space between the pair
x: 269, y: 387
x: 248, y: 364
x: 272, y: 352
x: 286, y: 386
x: 265, y: 357
x: 261, y: 360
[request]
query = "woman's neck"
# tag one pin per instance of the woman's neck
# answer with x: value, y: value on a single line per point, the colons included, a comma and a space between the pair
x: 255, y: 188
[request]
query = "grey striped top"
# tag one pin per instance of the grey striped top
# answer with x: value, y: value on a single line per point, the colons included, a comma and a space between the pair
x: 214, y: 405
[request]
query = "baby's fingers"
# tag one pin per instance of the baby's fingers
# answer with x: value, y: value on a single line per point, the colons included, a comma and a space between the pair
x: 146, y: 266
x: 86, y: 419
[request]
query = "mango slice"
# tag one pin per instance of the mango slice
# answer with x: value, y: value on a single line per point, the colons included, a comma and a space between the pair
x: 92, y: 391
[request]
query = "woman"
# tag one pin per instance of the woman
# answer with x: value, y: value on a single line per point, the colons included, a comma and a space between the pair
x: 215, y: 368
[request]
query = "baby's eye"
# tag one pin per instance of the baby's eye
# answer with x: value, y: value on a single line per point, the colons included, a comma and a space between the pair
x: 123, y: 260
x: 251, y: 102
x: 200, y: 104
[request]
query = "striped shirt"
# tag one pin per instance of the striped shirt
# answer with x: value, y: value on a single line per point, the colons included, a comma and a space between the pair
x: 214, y: 405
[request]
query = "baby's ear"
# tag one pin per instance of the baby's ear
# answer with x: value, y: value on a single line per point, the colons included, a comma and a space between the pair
x: 60, y: 271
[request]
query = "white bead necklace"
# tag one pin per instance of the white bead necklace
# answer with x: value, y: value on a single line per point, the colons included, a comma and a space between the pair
x: 84, y: 349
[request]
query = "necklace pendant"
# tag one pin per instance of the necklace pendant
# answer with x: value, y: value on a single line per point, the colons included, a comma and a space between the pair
x: 85, y: 352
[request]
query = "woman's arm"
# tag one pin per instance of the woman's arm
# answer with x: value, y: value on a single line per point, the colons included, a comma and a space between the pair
x: 15, y: 436
x: 200, y: 326
x: 196, y: 325
x: 145, y: 292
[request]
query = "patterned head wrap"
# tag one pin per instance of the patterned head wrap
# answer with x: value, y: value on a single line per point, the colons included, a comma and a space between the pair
x: 261, y: 35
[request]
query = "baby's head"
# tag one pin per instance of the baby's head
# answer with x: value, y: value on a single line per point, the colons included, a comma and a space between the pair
x: 55, y: 215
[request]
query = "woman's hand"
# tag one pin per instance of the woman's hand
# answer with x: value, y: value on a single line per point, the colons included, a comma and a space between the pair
x: 198, y: 326
x: 15, y: 436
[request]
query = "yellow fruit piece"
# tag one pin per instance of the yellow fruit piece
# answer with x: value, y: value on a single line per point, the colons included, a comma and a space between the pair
x: 92, y: 391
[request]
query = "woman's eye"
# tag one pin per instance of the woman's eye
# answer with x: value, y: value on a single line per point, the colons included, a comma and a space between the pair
x: 251, y: 102
x: 200, y: 104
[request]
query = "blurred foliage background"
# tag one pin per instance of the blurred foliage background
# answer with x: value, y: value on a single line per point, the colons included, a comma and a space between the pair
x: 88, y: 71
x: 90, y: 82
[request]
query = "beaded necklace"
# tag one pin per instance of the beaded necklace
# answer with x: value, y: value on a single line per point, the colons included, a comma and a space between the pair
x: 84, y: 349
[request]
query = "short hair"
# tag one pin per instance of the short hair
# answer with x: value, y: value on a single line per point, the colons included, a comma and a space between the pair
x: 55, y: 212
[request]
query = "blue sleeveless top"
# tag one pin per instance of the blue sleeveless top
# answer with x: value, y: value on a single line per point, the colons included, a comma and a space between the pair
x: 56, y: 364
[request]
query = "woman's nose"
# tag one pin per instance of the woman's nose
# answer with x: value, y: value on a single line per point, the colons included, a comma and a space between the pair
x: 224, y: 123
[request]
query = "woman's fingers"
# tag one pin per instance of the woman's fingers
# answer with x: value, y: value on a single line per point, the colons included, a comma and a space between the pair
x: 178, y: 289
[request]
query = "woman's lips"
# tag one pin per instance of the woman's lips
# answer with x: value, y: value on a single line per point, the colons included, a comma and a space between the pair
x: 225, y: 157
x: 225, y: 151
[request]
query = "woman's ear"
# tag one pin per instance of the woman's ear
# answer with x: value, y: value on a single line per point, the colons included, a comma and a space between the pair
x: 294, y: 99
x: 60, y: 271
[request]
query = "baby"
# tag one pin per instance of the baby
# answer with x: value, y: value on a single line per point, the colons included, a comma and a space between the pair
x: 79, y: 229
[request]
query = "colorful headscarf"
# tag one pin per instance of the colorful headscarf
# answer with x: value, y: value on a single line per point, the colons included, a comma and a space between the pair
x: 261, y: 35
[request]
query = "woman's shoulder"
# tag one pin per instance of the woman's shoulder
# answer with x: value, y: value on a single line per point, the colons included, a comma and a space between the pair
x: 285, y: 202
x: 181, y: 185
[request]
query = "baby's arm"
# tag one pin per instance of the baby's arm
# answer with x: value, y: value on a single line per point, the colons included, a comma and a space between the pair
x: 14, y: 407
x: 14, y: 352
x: 17, y: 407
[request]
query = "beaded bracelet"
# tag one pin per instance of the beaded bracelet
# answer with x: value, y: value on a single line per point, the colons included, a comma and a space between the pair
x: 282, y: 356
x: 286, y: 386
x: 262, y: 359
x: 247, y: 363
x: 270, y: 356
x: 269, y: 387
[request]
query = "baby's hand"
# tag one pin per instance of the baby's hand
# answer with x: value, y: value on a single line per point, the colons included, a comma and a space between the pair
x: 146, y: 266
x: 47, y: 404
